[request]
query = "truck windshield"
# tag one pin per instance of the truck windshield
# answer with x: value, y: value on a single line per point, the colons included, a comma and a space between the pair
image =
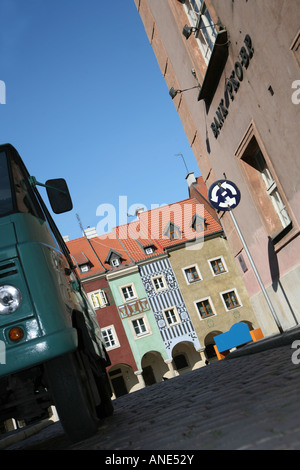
x: 16, y: 195
x: 6, y: 202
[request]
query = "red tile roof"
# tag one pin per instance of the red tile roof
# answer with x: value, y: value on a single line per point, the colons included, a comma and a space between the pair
x: 181, y: 215
x: 130, y: 240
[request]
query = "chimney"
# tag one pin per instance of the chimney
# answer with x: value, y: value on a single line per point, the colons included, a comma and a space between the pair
x: 90, y: 232
x: 190, y: 178
x: 139, y: 211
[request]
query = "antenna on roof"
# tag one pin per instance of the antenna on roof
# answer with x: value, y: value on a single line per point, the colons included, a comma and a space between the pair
x: 81, y: 226
x: 79, y: 222
x: 180, y: 155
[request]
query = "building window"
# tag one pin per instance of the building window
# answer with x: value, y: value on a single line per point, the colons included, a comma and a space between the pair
x: 98, y: 298
x: 230, y: 299
x: 205, y: 308
x: 217, y: 266
x: 272, y: 190
x: 192, y: 274
x: 110, y: 337
x: 199, y: 224
x: 115, y: 262
x: 264, y: 188
x: 199, y: 17
x: 159, y: 283
x: 128, y: 292
x: 149, y: 250
x: 84, y: 268
x: 139, y: 327
x: 171, y: 316
x: 172, y: 232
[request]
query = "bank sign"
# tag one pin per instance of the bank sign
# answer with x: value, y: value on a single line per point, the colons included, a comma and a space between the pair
x: 233, y: 85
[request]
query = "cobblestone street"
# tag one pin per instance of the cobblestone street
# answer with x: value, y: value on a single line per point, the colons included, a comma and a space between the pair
x: 245, y: 403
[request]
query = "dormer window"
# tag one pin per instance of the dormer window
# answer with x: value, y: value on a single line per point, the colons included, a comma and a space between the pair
x: 82, y: 261
x: 172, y: 232
x: 113, y: 258
x: 199, y: 223
x: 149, y: 250
x: 84, y: 268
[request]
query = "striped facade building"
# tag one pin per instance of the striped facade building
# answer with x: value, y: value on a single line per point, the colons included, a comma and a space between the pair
x: 168, y: 297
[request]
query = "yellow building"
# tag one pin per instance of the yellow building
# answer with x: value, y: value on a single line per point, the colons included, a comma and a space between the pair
x: 212, y: 288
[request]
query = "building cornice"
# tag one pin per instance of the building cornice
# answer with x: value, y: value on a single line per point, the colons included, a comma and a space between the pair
x: 122, y: 272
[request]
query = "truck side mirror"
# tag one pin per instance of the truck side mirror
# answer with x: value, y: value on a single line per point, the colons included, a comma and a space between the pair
x: 59, y: 196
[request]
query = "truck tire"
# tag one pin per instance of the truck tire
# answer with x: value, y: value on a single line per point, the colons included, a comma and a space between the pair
x: 106, y: 407
x: 72, y: 394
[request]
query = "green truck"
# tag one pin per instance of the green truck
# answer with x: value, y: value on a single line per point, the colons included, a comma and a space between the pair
x: 51, y: 347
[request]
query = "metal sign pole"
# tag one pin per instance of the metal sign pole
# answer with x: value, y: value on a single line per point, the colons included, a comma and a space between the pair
x: 256, y: 272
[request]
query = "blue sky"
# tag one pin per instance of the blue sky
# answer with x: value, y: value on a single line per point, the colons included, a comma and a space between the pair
x: 86, y: 101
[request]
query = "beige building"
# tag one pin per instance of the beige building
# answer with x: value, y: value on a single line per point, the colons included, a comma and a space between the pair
x: 232, y: 68
x: 212, y: 288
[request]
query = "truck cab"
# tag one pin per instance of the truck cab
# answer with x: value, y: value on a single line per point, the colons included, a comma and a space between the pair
x: 51, y: 347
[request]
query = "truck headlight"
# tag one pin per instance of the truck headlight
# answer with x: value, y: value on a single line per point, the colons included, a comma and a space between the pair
x: 10, y: 299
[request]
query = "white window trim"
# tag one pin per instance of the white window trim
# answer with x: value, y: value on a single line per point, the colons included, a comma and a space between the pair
x: 198, y: 271
x: 178, y: 321
x: 117, y: 344
x: 102, y: 295
x: 160, y: 289
x: 133, y: 289
x: 237, y: 296
x: 210, y: 303
x: 223, y: 262
x: 194, y: 19
x: 115, y: 262
x: 84, y: 268
x: 148, y: 329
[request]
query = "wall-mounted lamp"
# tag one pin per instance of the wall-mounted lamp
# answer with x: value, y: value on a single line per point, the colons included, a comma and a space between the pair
x: 173, y: 92
x: 188, y: 30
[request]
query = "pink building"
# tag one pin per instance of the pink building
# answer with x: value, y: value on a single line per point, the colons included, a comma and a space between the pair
x: 233, y: 70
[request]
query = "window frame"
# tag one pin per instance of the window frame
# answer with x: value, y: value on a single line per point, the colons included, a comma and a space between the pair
x: 172, y: 231
x: 125, y: 286
x: 211, y: 260
x: 161, y: 278
x: 176, y: 316
x: 202, y: 19
x: 247, y: 147
x: 138, y: 319
x: 115, y: 337
x: 199, y: 223
x: 200, y: 278
x: 203, y: 299
x: 103, y: 297
x: 228, y: 291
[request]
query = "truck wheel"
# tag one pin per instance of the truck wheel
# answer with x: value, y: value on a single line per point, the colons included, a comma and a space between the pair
x: 73, y: 396
x: 106, y: 407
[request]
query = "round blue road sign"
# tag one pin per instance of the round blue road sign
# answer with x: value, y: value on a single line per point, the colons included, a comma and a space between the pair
x: 224, y: 195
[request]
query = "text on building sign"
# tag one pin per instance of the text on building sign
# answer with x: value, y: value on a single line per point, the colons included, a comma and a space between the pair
x: 232, y: 85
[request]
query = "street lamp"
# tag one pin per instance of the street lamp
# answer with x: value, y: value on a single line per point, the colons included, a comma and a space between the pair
x: 173, y: 92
